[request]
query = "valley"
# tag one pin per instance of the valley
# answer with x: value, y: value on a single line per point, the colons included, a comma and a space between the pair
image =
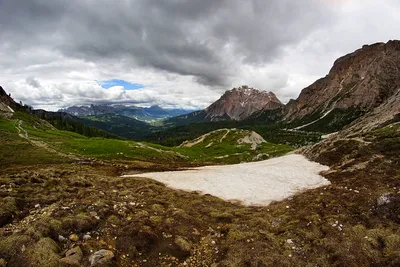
x: 215, y: 187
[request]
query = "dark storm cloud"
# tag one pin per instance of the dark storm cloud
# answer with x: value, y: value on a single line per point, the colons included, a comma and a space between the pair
x: 205, y: 38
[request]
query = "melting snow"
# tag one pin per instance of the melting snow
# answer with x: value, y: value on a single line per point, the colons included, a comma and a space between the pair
x: 255, y: 183
x: 10, y: 109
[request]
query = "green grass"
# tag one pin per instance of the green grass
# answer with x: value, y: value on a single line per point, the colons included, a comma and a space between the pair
x: 18, y: 150
x: 212, y: 149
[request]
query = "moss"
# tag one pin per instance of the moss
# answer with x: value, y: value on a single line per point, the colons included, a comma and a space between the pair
x: 225, y: 217
x: 8, y: 209
x: 48, y: 227
x: 113, y: 220
x: 79, y: 223
x: 44, y: 253
x: 11, y: 247
x: 157, y: 208
x: 183, y: 244
x: 156, y: 220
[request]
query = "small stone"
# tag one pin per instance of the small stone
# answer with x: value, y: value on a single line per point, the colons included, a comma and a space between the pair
x: 86, y: 237
x: 74, y: 237
x: 101, y: 257
x: 61, y: 238
x: 289, y: 241
x: 384, y: 199
x: 73, y: 257
x: 37, y: 206
x: 183, y: 244
x: 93, y: 213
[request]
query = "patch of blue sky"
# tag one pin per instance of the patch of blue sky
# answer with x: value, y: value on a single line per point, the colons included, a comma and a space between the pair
x: 115, y: 82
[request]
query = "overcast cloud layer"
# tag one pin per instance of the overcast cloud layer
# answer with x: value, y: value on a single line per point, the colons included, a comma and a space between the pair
x: 185, y: 53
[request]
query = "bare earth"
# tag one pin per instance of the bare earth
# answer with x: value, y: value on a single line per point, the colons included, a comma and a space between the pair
x: 255, y: 183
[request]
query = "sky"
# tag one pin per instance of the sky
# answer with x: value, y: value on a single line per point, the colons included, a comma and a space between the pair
x: 178, y: 53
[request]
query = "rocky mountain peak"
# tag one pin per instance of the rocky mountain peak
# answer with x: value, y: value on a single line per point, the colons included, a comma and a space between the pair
x: 360, y: 80
x: 241, y: 102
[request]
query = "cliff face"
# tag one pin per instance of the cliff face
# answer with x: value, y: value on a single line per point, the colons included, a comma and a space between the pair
x: 240, y: 103
x: 363, y: 79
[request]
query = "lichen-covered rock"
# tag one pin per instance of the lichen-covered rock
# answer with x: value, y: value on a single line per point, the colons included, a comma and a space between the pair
x: 383, y: 199
x: 101, y: 257
x: 72, y: 257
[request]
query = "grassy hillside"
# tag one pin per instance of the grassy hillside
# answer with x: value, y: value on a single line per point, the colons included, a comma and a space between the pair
x: 39, y: 142
x: 119, y: 125
x: 28, y: 140
x: 231, y: 146
x: 273, y: 133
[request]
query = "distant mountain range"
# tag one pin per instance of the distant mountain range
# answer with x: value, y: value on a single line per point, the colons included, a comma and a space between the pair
x: 359, y: 84
x: 144, y: 114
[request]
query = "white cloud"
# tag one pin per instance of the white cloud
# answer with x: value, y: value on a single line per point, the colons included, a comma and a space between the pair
x: 181, y: 65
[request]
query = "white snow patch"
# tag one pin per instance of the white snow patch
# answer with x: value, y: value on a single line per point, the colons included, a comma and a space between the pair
x: 10, y: 109
x: 255, y: 183
x: 323, y: 116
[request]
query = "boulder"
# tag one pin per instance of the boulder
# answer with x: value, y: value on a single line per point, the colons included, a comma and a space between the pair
x: 72, y: 257
x: 101, y: 257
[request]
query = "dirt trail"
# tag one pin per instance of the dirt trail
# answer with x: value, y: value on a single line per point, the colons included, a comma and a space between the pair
x: 24, y: 134
x: 21, y: 131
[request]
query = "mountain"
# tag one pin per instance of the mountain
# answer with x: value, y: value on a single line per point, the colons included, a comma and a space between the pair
x: 144, y: 114
x: 120, y: 125
x: 6, y: 101
x: 239, y: 103
x: 356, y: 84
x: 236, y: 104
x: 364, y: 82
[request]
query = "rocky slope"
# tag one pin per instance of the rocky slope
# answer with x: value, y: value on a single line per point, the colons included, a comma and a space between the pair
x: 7, y: 104
x: 359, y: 81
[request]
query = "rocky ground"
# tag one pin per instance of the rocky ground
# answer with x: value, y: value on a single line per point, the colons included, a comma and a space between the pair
x: 87, y: 215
